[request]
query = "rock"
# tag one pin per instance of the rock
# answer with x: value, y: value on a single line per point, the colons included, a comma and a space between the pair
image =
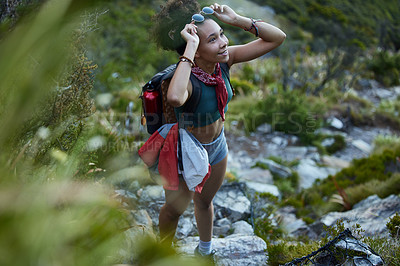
x: 344, y: 249
x: 289, y: 220
x: 365, y: 256
x: 185, y: 227
x: 142, y: 218
x: 362, y: 146
x: 304, y: 231
x: 383, y: 93
x: 371, y: 214
x: 347, y: 251
x: 371, y: 200
x: 334, y: 162
x: 264, y: 188
x: 282, y: 142
x: 238, y: 250
x: 257, y: 175
x: 239, y: 160
x: 310, y: 172
x: 292, y: 153
x: 242, y: 228
x: 264, y: 129
x: 232, y: 203
x: 335, y: 123
x: 222, y: 227
x: 327, y: 142
x: 275, y: 168
x: 125, y: 193
x: 368, y: 84
x: 151, y: 194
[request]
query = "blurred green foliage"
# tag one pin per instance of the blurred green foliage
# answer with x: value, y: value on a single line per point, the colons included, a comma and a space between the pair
x: 394, y: 226
x: 344, y: 22
x: 287, y: 111
x: 50, y: 212
x: 386, y: 67
x: 123, y: 45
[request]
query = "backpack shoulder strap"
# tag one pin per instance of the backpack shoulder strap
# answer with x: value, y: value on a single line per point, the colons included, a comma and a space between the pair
x: 225, y: 69
x: 194, y: 100
x: 158, y: 78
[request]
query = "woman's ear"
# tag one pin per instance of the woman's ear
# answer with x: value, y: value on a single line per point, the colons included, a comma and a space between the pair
x: 197, y: 55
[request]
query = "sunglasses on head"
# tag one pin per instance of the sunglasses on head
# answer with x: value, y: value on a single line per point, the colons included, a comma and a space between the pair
x: 205, y: 11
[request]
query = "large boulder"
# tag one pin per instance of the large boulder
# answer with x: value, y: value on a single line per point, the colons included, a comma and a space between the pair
x: 231, y: 202
x: 371, y: 214
x: 235, y: 249
x: 344, y: 249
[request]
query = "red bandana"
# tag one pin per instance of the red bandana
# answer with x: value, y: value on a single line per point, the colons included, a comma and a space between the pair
x: 214, y: 80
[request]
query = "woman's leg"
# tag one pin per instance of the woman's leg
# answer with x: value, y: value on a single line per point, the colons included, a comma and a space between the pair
x: 176, y: 203
x: 203, y: 206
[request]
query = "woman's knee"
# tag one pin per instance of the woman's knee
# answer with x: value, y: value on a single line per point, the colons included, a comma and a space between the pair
x: 203, y: 204
x: 171, y: 211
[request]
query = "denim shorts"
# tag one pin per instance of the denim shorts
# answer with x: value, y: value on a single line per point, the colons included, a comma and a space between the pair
x: 217, y: 149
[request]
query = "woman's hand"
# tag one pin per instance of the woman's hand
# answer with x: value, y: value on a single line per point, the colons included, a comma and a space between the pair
x: 224, y: 13
x: 189, y: 34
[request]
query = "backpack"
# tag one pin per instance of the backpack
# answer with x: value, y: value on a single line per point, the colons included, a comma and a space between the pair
x: 156, y: 111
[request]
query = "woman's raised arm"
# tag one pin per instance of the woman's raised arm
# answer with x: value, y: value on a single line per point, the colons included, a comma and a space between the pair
x: 270, y: 36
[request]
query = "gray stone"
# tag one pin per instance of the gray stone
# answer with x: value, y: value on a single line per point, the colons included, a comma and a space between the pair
x: 334, y: 162
x: 185, y: 227
x: 371, y: 200
x: 222, y: 227
x: 352, y: 244
x: 125, y: 194
x: 142, y: 218
x: 151, y: 194
x: 235, y: 208
x: 264, y: 128
x: 242, y: 228
x: 275, y: 168
x: 264, y: 188
x: 257, y: 175
x: 327, y: 142
x: 335, y: 123
x: 238, y: 250
x: 309, y: 172
x: 383, y: 93
x: 362, y: 146
x: 372, y: 215
x: 282, y: 142
x: 288, y: 219
x: 292, y: 153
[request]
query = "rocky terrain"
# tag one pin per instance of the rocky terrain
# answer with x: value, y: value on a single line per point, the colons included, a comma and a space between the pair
x: 235, y: 205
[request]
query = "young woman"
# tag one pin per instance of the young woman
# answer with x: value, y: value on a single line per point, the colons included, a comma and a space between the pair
x: 204, y: 50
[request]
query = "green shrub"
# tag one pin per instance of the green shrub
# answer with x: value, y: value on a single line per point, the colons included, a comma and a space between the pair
x: 385, y: 66
x: 386, y: 119
x: 394, y: 226
x: 384, y: 142
x: 243, y: 87
x: 264, y: 228
x: 48, y: 215
x: 387, y: 248
x: 338, y: 144
x: 383, y: 189
x: 289, y: 112
x: 285, y: 251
